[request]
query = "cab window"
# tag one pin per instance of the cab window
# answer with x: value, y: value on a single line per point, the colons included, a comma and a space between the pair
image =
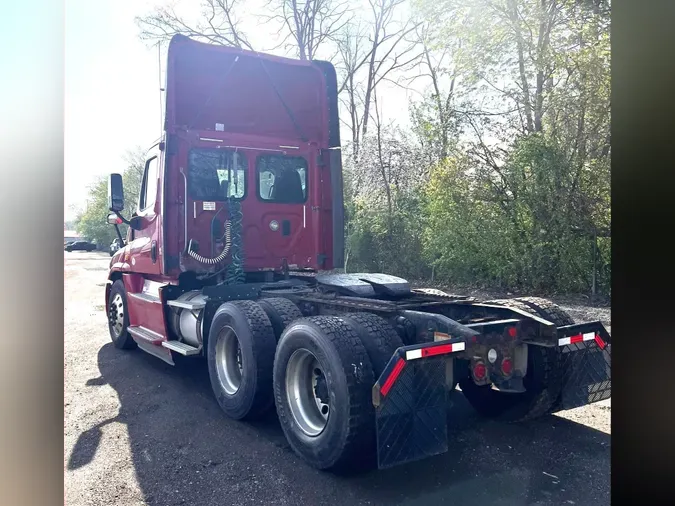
x: 216, y: 174
x: 148, y: 193
x: 282, y: 179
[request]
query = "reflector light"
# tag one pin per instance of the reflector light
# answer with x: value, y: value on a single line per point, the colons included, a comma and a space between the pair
x: 600, y: 341
x: 392, y: 377
x: 479, y: 371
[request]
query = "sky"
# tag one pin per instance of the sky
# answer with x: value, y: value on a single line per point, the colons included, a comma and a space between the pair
x: 112, y: 81
x: 111, y: 91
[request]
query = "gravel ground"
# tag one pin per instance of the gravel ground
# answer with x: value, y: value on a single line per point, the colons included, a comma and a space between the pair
x: 140, y: 432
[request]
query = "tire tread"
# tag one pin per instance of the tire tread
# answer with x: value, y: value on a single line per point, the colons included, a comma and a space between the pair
x: 263, y: 344
x: 360, y: 412
x: 281, y: 312
x: 384, y: 340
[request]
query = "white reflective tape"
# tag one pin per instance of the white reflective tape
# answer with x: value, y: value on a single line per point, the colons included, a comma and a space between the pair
x: 413, y: 354
x: 589, y: 336
x: 458, y: 347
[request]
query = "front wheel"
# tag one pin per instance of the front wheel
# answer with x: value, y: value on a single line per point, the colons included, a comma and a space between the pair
x: 322, y: 390
x: 118, y: 317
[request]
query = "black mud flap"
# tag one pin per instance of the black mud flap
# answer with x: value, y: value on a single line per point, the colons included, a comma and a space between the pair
x: 586, y: 365
x: 410, y: 401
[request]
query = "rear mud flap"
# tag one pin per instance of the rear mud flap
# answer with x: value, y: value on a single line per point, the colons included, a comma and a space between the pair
x: 586, y: 365
x: 410, y: 401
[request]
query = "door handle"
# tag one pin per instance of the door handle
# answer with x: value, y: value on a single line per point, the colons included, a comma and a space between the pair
x: 153, y: 252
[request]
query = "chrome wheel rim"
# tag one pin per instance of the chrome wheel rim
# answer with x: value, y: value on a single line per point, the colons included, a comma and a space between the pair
x: 116, y: 314
x: 307, y: 392
x: 229, y: 361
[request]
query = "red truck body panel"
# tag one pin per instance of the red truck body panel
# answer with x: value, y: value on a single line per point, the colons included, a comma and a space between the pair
x: 234, y: 100
x: 239, y: 108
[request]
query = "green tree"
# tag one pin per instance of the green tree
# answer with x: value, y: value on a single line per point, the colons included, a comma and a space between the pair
x: 534, y: 109
x: 92, y: 222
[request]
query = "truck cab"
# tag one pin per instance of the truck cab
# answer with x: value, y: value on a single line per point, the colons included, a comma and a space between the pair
x: 248, y: 135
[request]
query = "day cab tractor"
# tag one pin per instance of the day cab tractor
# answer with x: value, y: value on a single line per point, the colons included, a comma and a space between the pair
x: 231, y: 255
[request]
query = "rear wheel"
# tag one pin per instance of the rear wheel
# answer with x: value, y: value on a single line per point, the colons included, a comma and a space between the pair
x: 240, y: 355
x: 378, y: 338
x: 322, y: 390
x: 555, y: 314
x: 118, y: 317
x: 281, y: 312
x: 542, y: 381
x: 548, y: 310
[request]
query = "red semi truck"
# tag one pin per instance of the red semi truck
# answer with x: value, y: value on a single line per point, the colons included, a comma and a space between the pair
x: 240, y: 216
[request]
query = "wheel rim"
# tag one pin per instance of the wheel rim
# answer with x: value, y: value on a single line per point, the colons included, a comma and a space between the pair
x: 116, y: 315
x: 229, y: 361
x: 307, y: 392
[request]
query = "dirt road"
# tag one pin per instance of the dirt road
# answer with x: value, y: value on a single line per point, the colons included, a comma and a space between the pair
x: 138, y: 431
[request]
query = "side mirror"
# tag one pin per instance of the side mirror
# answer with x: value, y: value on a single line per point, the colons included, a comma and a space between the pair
x: 115, y: 193
x: 113, y: 219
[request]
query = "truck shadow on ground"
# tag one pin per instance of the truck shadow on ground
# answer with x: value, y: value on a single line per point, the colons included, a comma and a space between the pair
x: 185, y: 451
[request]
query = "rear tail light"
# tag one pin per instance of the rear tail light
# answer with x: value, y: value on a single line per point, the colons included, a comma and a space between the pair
x: 479, y: 371
x: 507, y: 366
x: 512, y: 332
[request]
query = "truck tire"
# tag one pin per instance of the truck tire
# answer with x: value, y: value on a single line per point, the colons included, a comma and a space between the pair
x: 542, y: 382
x: 281, y: 313
x: 377, y: 336
x: 322, y: 391
x: 118, y: 317
x: 240, y: 356
x: 555, y: 314
x: 548, y: 310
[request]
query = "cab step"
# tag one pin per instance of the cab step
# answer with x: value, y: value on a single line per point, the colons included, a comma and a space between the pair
x: 189, y: 305
x: 146, y: 335
x: 181, y: 348
x: 145, y: 297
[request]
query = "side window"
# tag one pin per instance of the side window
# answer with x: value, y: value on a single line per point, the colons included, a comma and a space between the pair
x: 282, y: 179
x: 149, y: 187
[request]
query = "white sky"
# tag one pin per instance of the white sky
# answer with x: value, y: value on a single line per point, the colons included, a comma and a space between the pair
x: 112, y: 88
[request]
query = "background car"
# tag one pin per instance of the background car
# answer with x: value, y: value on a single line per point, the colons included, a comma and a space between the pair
x: 114, y: 246
x: 80, y: 246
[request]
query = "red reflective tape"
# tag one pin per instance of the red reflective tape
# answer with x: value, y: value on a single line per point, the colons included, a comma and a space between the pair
x: 392, y: 377
x: 437, y: 350
x: 600, y: 342
x: 576, y: 339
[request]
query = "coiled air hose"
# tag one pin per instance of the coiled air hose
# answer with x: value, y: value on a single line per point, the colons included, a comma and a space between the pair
x: 219, y: 258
